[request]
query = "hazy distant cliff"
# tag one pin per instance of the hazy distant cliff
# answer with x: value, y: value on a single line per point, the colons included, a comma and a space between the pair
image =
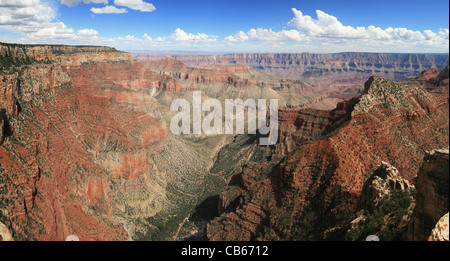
x: 304, y: 65
x: 340, y: 76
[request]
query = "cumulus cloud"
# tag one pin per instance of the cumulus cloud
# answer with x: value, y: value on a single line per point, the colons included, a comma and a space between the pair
x: 139, y: 5
x: 327, y: 29
x: 181, y: 36
x: 136, y: 5
x: 17, y: 3
x: 53, y: 31
x: 74, y: 2
x: 266, y: 35
x: 35, y: 20
x: 24, y: 12
x: 147, y: 37
x: 239, y: 37
x: 109, y: 9
x: 87, y: 33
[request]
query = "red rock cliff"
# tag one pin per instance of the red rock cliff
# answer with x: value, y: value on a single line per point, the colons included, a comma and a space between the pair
x: 432, y: 185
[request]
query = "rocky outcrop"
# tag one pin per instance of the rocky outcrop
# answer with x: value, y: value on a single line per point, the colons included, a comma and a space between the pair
x: 441, y: 230
x: 383, y: 181
x: 9, y: 91
x: 432, y: 197
x: 2, y: 127
x: 5, y: 235
x: 384, y: 207
x: 298, y: 126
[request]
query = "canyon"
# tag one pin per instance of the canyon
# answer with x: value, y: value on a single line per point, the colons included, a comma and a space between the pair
x: 339, y: 75
x: 86, y: 147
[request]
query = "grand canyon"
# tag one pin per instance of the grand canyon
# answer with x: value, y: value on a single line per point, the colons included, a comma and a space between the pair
x: 86, y: 147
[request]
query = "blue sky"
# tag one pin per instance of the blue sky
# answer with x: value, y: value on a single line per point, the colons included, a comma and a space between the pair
x: 230, y: 25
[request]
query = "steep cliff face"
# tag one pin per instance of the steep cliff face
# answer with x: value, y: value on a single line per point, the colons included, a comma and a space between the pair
x: 298, y: 126
x: 43, y: 164
x: 237, y: 81
x: 26, y: 70
x: 432, y: 184
x: 314, y: 190
x: 434, y: 80
x: 306, y: 62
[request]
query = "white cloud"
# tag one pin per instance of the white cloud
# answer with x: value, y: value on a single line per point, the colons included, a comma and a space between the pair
x: 109, y: 9
x: 327, y: 30
x: 53, y: 31
x: 267, y: 35
x: 239, y: 37
x: 73, y: 2
x: 181, y: 36
x: 87, y: 33
x: 147, y: 37
x: 35, y: 20
x: 136, y: 5
x: 24, y: 12
x: 128, y: 38
x: 17, y: 3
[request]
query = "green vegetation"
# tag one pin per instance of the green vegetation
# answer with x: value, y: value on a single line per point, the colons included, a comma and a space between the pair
x: 4, y: 202
x: 385, y: 220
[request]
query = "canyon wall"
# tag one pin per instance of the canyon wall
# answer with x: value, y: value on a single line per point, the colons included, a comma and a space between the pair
x: 434, y: 80
x: 340, y: 74
x: 432, y: 184
x: 307, y: 63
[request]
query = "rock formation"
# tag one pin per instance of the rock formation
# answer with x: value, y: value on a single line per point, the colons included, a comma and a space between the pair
x: 384, y: 206
x: 383, y: 181
x: 441, y: 230
x: 5, y: 235
x: 432, y: 185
